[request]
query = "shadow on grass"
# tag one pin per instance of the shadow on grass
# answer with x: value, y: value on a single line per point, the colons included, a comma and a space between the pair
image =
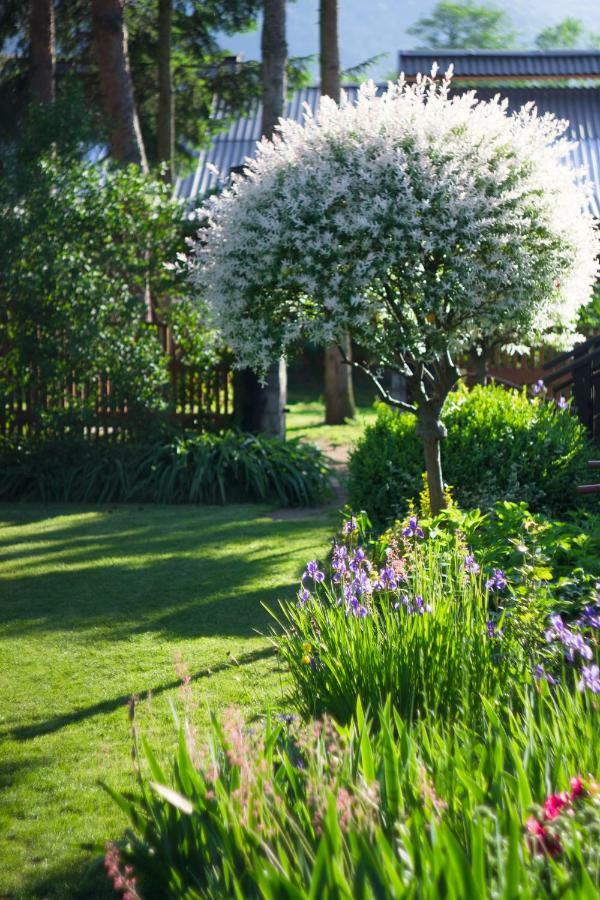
x: 56, y: 723
x: 178, y: 571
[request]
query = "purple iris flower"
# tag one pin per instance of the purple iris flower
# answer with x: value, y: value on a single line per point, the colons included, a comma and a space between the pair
x: 539, y: 386
x: 590, y: 617
x: 361, y: 584
x: 313, y: 571
x: 303, y: 596
x: 590, y: 679
x: 470, y: 565
x: 413, y: 529
x: 493, y: 630
x: 497, y: 581
x: 387, y: 580
x: 539, y: 673
x: 420, y: 606
x: 350, y: 526
x: 562, y: 403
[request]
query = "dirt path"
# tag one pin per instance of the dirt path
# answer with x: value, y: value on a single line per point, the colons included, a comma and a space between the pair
x: 337, y: 457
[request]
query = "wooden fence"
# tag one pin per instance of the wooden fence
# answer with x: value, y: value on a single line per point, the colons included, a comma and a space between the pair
x: 195, y: 399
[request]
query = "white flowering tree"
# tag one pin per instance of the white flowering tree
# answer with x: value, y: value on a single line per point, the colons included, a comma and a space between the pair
x: 423, y: 223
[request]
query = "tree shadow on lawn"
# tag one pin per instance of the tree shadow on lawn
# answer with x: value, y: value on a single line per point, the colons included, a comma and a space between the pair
x: 56, y: 723
x: 184, y: 574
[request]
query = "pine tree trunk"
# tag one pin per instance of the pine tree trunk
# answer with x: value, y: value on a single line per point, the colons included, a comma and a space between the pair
x: 166, y: 113
x: 273, y: 396
x: 42, y: 51
x: 116, y: 88
x: 339, y: 393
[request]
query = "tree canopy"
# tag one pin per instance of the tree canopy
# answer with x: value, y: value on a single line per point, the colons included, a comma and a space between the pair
x: 466, y: 24
x: 421, y: 222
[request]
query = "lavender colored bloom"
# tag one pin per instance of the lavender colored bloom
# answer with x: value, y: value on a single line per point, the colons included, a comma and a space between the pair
x: 590, y: 679
x: 590, y: 617
x: 539, y: 386
x: 386, y: 581
x: 350, y: 526
x: 361, y: 584
x: 303, y: 596
x: 497, y: 581
x: 470, y: 565
x: 539, y: 673
x: 493, y: 630
x: 313, y: 571
x: 413, y: 529
x: 562, y: 403
x: 420, y: 606
x: 572, y: 641
x: 361, y: 611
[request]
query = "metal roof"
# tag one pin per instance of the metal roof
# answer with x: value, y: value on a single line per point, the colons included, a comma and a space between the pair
x: 503, y: 63
x: 581, y: 107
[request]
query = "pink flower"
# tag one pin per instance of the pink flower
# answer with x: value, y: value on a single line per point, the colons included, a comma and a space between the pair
x: 576, y: 787
x: 555, y: 803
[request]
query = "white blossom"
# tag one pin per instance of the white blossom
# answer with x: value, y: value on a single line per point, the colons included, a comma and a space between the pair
x: 421, y: 222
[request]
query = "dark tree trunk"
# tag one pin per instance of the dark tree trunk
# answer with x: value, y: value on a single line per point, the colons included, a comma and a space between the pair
x: 166, y: 113
x: 264, y: 407
x: 274, y: 62
x: 116, y: 88
x: 42, y: 51
x: 339, y: 393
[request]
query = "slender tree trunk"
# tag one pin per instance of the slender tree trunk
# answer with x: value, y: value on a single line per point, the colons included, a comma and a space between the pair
x: 42, y: 51
x: 431, y: 431
x: 166, y: 112
x: 339, y: 393
x: 116, y: 88
x: 273, y: 396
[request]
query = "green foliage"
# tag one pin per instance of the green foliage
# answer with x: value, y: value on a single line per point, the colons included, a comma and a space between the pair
x: 557, y: 563
x: 465, y: 24
x: 500, y: 445
x: 82, y: 253
x: 428, y: 810
x: 424, y: 643
x: 566, y: 34
x: 205, y: 468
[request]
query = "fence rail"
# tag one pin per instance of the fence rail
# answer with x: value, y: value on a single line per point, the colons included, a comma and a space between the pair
x: 194, y: 399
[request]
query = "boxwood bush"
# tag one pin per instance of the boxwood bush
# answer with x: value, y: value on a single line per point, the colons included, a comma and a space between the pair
x: 204, y: 468
x: 501, y: 445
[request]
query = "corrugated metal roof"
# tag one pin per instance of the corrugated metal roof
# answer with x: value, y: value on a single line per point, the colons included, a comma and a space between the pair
x: 581, y: 107
x: 503, y: 63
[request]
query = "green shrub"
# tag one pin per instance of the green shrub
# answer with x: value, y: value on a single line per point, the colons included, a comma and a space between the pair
x: 286, y: 812
x: 205, y: 468
x: 501, y: 445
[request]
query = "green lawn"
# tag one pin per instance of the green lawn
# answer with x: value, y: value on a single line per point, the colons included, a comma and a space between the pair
x: 96, y: 605
x: 305, y: 420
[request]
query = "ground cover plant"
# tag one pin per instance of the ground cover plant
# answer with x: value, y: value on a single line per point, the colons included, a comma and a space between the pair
x: 423, y: 223
x: 97, y: 605
x: 501, y: 445
x: 194, y: 468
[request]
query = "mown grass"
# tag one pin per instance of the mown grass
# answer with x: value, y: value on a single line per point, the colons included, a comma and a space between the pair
x: 97, y: 604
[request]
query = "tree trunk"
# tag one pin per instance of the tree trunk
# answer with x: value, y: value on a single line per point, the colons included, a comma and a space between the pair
x: 42, y: 51
x: 431, y: 431
x: 166, y: 113
x: 110, y: 47
x: 339, y: 393
x: 268, y: 402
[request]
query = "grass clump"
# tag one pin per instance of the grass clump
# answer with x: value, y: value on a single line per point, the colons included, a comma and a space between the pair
x: 425, y: 809
x: 205, y: 468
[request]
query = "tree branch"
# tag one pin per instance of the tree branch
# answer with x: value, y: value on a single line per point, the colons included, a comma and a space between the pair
x: 393, y: 401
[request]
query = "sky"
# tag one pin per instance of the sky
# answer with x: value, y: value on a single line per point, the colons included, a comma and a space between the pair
x: 370, y: 27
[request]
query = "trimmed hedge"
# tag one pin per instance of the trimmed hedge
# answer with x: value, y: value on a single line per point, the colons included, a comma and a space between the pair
x: 501, y: 445
x: 205, y: 468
